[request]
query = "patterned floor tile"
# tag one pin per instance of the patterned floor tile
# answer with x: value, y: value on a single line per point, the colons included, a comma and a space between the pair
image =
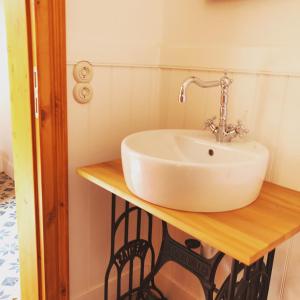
x: 9, y: 250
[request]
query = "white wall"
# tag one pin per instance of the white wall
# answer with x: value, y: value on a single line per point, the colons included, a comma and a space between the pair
x: 249, y: 35
x: 268, y: 105
x: 111, y: 32
x: 257, y: 41
x: 126, y: 99
x: 6, y: 156
x: 141, y: 51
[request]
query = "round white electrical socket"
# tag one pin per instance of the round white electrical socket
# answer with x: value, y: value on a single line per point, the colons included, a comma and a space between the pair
x: 83, y: 72
x: 83, y: 92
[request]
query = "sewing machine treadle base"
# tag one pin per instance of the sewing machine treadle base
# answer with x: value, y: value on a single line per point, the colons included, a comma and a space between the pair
x: 244, y: 283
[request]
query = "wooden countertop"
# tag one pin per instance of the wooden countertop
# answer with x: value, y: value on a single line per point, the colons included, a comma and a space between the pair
x: 245, y: 234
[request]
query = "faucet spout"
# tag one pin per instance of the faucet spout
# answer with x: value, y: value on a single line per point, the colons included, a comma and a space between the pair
x: 198, y: 82
x: 182, y: 94
x: 222, y: 131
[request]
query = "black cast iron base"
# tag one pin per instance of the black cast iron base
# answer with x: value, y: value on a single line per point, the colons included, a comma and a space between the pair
x: 244, y: 283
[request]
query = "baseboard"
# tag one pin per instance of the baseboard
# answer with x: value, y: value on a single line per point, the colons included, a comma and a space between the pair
x: 172, y: 289
x: 97, y: 292
x: 94, y: 293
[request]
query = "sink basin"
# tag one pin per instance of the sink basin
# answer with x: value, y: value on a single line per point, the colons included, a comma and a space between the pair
x: 188, y: 170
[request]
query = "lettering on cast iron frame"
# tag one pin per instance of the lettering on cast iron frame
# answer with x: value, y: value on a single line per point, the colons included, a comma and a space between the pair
x: 137, y: 248
x: 187, y: 260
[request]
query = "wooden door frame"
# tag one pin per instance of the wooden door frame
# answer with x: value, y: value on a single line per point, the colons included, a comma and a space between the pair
x: 37, y: 37
x: 52, y: 85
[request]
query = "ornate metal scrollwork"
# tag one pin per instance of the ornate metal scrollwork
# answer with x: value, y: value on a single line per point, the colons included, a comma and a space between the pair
x: 128, y: 252
x: 253, y: 284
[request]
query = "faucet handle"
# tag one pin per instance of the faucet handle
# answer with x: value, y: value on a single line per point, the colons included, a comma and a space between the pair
x: 241, y: 130
x: 230, y: 127
x: 209, y: 122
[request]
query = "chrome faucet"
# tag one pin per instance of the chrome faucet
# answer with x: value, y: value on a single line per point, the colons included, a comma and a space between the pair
x: 223, y: 132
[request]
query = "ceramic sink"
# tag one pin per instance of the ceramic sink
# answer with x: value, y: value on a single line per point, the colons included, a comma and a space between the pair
x: 188, y: 170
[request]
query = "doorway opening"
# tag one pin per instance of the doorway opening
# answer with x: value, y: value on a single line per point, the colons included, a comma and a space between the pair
x: 9, y: 246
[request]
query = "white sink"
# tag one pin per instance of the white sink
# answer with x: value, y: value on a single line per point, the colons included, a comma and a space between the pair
x: 188, y: 170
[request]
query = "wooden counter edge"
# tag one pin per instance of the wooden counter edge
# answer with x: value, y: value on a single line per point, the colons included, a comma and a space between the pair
x: 156, y: 211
